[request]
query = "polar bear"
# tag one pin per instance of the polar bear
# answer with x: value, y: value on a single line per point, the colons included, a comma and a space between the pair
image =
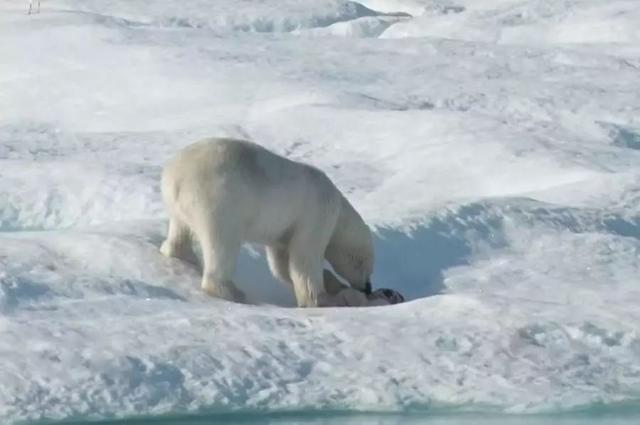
x: 225, y: 192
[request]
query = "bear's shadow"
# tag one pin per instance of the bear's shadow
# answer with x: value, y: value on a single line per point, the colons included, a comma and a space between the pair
x: 410, y: 262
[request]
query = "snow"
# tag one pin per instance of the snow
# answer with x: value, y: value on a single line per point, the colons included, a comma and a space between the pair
x: 494, y: 146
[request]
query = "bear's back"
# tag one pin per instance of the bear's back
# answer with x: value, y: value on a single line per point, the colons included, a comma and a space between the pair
x: 266, y: 191
x: 249, y: 162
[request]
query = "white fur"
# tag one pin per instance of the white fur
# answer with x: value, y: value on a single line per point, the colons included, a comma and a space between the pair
x: 226, y: 192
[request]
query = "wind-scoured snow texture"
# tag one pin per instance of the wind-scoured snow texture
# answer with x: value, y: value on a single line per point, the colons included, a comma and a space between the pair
x: 494, y: 146
x: 524, y: 22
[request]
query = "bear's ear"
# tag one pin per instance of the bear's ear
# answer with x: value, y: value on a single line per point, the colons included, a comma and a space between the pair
x: 332, y: 284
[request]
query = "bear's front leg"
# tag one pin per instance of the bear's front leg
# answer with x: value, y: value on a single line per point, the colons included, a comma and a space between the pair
x: 306, y: 274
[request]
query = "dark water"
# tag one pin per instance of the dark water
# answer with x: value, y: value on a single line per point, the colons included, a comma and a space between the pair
x: 625, y: 415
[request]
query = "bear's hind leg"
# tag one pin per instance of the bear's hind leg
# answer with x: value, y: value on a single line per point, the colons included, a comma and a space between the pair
x: 220, y: 251
x: 178, y: 242
x: 278, y: 260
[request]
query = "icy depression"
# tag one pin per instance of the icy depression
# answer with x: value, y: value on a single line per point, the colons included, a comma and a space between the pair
x: 494, y: 146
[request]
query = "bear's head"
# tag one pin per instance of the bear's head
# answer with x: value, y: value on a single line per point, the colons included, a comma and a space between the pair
x: 354, y: 267
x: 350, y: 251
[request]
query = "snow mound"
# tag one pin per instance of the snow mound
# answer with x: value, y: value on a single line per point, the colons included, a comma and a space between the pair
x: 228, y: 15
x: 531, y: 22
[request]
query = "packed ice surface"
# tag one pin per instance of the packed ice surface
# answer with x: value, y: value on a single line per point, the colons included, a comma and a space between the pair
x: 494, y: 146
